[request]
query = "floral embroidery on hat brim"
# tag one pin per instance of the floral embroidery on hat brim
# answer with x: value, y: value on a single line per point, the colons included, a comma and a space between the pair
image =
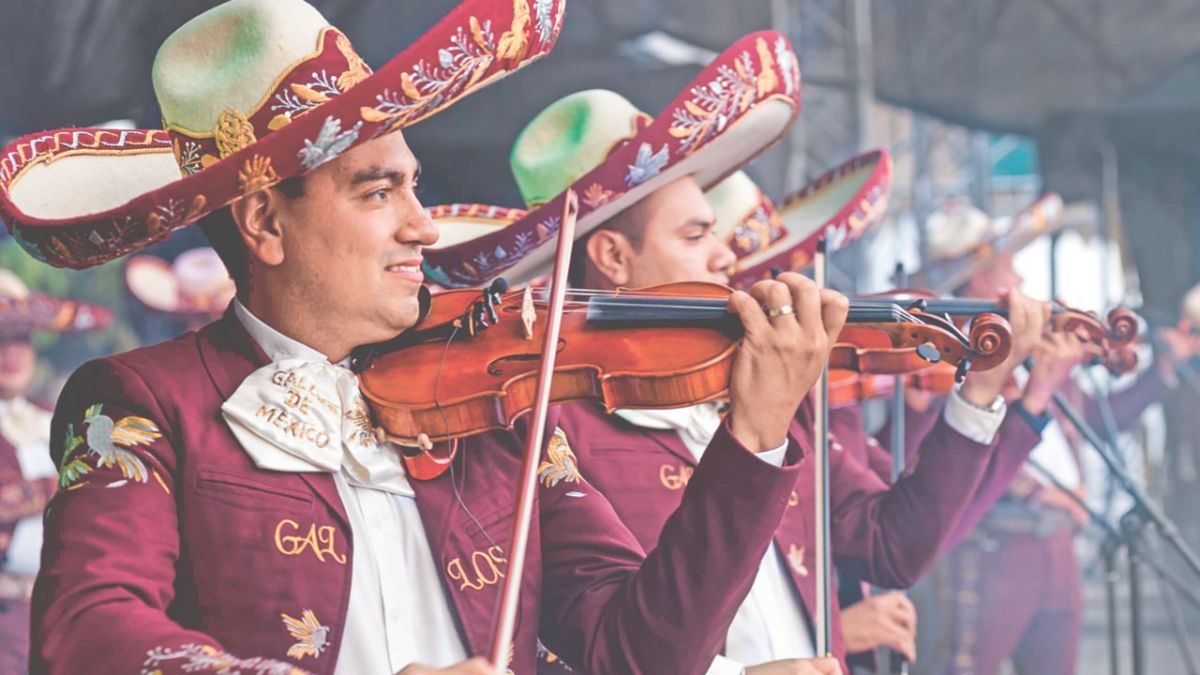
x: 40, y: 313
x: 322, y: 108
x: 1042, y: 217
x: 807, y: 219
x: 717, y: 124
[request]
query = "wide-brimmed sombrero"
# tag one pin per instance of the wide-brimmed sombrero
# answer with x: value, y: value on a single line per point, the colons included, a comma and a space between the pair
x: 840, y: 205
x: 23, y: 313
x: 600, y: 145
x: 963, y: 240
x: 195, y: 285
x: 252, y: 92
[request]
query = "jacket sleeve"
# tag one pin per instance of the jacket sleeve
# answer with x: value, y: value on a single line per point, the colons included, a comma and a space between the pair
x: 608, y: 610
x: 112, y: 547
x: 1129, y: 403
x: 1015, y: 440
x: 894, y: 534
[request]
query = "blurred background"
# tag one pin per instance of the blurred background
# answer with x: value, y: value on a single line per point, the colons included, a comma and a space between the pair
x: 997, y: 100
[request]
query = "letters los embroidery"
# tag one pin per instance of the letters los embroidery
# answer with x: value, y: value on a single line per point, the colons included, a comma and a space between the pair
x: 486, y: 569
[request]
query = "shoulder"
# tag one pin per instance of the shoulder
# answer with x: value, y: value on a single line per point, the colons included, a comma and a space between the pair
x: 152, y: 366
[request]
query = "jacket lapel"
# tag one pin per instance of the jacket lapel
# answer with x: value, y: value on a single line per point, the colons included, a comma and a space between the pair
x: 230, y: 355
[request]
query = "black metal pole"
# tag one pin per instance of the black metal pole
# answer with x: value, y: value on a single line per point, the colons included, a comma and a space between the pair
x: 1147, y: 510
x: 1131, y: 524
x: 1176, y: 617
x: 1109, y: 550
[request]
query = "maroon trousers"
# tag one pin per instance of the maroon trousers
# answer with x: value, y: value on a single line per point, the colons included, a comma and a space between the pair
x: 997, y: 597
x: 14, y: 637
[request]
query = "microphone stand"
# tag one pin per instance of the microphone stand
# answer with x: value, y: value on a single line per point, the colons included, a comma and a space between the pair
x: 1143, y: 513
x: 1109, y: 547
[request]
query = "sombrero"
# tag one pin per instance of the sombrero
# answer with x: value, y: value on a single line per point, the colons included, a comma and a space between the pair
x: 840, y: 205
x: 963, y: 240
x: 23, y: 313
x: 612, y: 154
x: 252, y: 92
x: 195, y: 286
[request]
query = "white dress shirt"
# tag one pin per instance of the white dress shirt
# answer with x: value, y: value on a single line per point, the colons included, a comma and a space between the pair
x: 772, y: 623
x: 27, y: 428
x: 398, y: 612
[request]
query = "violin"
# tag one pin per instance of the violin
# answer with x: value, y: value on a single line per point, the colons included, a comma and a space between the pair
x: 1110, y: 341
x: 847, y: 387
x: 469, y: 365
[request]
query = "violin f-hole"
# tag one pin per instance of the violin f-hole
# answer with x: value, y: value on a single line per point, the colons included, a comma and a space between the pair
x: 496, y: 367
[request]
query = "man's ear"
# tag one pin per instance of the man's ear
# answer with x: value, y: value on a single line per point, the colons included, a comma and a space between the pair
x: 257, y: 218
x: 611, y: 254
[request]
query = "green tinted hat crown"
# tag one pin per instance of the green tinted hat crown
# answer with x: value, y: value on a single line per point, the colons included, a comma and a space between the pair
x: 569, y: 138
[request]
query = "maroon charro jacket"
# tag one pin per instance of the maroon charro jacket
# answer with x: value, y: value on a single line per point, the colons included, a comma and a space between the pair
x: 891, y: 536
x: 180, y: 555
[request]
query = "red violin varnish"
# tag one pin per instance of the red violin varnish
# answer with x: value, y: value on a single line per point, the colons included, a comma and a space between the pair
x: 660, y: 347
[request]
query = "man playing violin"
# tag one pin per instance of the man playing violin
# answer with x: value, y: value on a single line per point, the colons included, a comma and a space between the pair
x: 645, y: 461
x: 209, y: 520
x: 1014, y: 579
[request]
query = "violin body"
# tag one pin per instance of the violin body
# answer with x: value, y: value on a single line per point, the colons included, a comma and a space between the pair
x: 667, y: 346
x: 490, y: 378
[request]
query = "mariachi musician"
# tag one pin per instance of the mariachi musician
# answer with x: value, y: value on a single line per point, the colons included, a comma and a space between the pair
x: 209, y: 528
x: 643, y: 459
x: 1011, y: 590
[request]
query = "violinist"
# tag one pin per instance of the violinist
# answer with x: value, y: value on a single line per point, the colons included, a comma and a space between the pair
x: 206, y: 526
x: 649, y: 461
x: 1014, y: 578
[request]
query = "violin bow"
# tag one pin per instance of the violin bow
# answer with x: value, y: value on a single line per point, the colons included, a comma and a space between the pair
x: 821, y: 468
x: 898, y: 664
x: 506, y: 615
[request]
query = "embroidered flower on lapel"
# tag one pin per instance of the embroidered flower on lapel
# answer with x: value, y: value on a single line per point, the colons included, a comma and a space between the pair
x: 311, y: 637
x: 109, y: 442
x: 560, y: 464
x: 796, y: 559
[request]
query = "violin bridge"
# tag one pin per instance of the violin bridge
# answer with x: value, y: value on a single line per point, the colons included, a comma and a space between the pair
x: 528, y: 313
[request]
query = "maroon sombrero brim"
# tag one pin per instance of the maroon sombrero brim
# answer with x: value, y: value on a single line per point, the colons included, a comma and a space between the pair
x: 737, y: 107
x: 41, y: 313
x: 477, y: 43
x: 840, y: 205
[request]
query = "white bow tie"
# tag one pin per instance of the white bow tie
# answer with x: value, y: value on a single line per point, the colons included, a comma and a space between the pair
x: 306, y: 416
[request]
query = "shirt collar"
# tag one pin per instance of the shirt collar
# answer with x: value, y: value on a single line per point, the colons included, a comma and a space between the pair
x: 276, y: 345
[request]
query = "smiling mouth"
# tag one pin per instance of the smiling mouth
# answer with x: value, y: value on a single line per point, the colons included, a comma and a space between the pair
x: 408, y: 269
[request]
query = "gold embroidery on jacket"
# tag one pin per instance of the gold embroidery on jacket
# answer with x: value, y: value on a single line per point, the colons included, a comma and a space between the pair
x: 320, y: 539
x: 487, y: 569
x: 673, y: 477
x: 311, y: 637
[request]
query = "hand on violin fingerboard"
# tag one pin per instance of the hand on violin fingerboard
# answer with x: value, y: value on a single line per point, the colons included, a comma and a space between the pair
x: 790, y: 326
x: 1028, y: 319
x: 1053, y: 361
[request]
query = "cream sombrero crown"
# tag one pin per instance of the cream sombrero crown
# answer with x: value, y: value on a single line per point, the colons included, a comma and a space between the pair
x: 252, y: 92
x: 963, y: 240
x: 840, y: 205
x: 23, y: 313
x: 599, y: 144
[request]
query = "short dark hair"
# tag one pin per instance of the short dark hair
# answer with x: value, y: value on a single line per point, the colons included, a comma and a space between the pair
x: 222, y: 233
x: 626, y: 222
